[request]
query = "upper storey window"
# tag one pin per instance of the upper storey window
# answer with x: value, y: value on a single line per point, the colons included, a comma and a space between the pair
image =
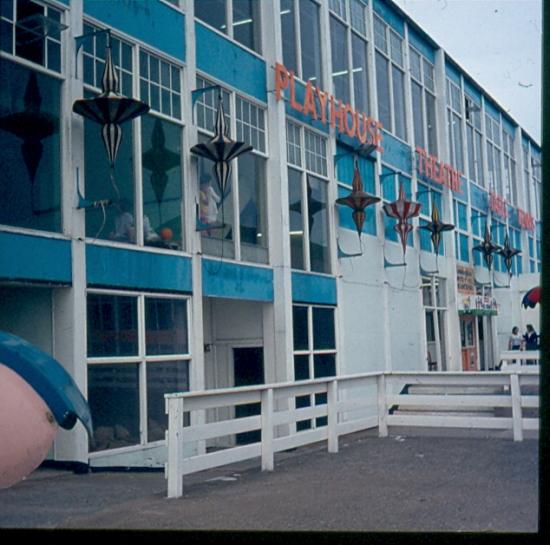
x: 474, y: 139
x: 349, y: 54
x: 454, y: 125
x: 510, y: 182
x: 423, y: 102
x: 390, y: 78
x: 32, y: 31
x: 300, y: 27
x: 492, y: 132
x: 239, y: 19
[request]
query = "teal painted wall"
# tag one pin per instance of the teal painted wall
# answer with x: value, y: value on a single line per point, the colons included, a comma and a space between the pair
x: 230, y: 63
x: 26, y: 257
x: 422, y: 44
x: 452, y: 72
x: 313, y: 288
x: 151, y: 21
x: 384, y: 10
x: 132, y: 269
x: 235, y: 281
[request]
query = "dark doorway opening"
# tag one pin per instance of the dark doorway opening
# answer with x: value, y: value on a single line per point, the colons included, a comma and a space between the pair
x: 248, y: 366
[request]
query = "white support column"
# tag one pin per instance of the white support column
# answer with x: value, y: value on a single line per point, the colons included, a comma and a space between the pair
x: 516, y: 407
x: 332, y: 407
x: 382, y: 406
x: 267, y: 430
x: 69, y: 304
x: 174, y: 443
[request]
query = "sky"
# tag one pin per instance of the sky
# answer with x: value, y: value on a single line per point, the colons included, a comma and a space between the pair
x: 497, y: 42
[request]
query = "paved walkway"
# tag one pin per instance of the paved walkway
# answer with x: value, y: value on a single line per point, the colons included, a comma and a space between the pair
x: 407, y: 482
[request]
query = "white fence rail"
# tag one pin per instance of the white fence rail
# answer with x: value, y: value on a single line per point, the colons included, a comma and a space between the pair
x: 354, y: 403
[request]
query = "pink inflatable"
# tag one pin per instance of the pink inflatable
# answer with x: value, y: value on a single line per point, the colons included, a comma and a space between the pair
x: 27, y: 428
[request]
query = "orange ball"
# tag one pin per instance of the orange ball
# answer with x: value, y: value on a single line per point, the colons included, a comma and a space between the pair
x: 166, y: 233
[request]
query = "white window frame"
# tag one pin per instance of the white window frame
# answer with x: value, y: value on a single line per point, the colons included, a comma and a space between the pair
x: 493, y: 145
x: 436, y: 285
x: 141, y: 359
x: 209, y: 103
x: 455, y: 115
x: 388, y: 54
x: 509, y: 170
x: 460, y: 231
x: 473, y: 126
x: 321, y: 174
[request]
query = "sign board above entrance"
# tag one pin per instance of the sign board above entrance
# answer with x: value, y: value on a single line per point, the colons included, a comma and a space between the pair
x: 322, y: 106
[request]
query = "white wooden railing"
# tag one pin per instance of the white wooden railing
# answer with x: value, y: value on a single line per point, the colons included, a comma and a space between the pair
x: 354, y: 403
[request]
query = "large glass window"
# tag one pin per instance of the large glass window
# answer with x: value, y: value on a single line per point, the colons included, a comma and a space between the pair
x: 390, y: 182
x: 234, y: 224
x: 349, y: 54
x: 32, y: 30
x: 300, y: 26
x: 509, y: 174
x: 30, y: 148
x: 239, y: 19
x: 314, y: 353
x: 474, y: 140
x: 157, y: 174
x: 128, y: 375
x: 461, y: 231
x: 390, y: 78
x: 479, y: 222
x: 492, y: 133
x: 454, y: 125
x: 307, y: 191
x: 429, y: 198
x: 423, y: 102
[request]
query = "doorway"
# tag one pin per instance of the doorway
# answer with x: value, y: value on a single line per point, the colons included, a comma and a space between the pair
x: 468, y: 343
x: 248, y: 369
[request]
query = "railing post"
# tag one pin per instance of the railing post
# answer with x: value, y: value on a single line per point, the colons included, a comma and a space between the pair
x: 382, y: 408
x: 174, y: 445
x: 515, y: 392
x: 332, y: 408
x: 267, y: 430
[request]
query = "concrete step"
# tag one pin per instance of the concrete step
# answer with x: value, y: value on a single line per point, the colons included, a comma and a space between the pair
x: 454, y: 390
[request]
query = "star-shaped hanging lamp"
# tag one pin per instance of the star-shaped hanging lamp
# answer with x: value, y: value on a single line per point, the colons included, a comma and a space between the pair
x: 358, y: 200
x: 220, y: 149
x: 110, y: 109
x: 402, y: 210
x: 436, y: 227
x: 507, y: 252
x: 487, y: 247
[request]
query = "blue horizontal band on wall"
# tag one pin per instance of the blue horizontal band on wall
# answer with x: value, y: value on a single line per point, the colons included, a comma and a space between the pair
x: 396, y: 153
x: 134, y: 269
x: 384, y: 10
x: 313, y: 288
x: 153, y: 22
x: 236, y: 281
x: 452, y: 72
x: 31, y: 258
x: 472, y: 89
x: 479, y: 198
x: 423, y: 45
x: 230, y: 63
x: 300, y: 93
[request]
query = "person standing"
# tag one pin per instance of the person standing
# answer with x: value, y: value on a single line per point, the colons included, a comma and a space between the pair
x: 531, y: 340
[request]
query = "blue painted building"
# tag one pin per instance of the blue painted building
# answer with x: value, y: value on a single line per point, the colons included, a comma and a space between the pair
x: 145, y: 279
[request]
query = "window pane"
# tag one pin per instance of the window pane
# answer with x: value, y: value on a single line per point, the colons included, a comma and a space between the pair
x: 383, y: 91
x: 113, y: 395
x: 112, y: 326
x: 252, y: 202
x: 323, y: 328
x: 415, y: 61
x: 27, y: 44
x: 115, y: 221
x: 246, y: 23
x: 163, y: 378
x: 418, y: 114
x: 288, y: 30
x: 339, y: 49
x: 296, y: 220
x: 357, y: 9
x: 432, y: 123
x: 399, y: 102
x: 300, y: 327
x: 318, y: 224
x: 166, y: 326
x: 212, y: 12
x: 310, y: 42
x: 360, y: 74
x: 162, y: 195
x: 301, y: 367
x: 324, y: 365
x: 30, y: 149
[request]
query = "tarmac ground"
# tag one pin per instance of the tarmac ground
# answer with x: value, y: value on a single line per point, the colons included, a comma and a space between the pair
x: 411, y: 481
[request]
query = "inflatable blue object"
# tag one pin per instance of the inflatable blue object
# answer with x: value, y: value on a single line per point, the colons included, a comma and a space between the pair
x: 49, y: 380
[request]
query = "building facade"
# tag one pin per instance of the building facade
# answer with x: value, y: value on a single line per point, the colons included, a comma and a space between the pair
x: 144, y: 279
